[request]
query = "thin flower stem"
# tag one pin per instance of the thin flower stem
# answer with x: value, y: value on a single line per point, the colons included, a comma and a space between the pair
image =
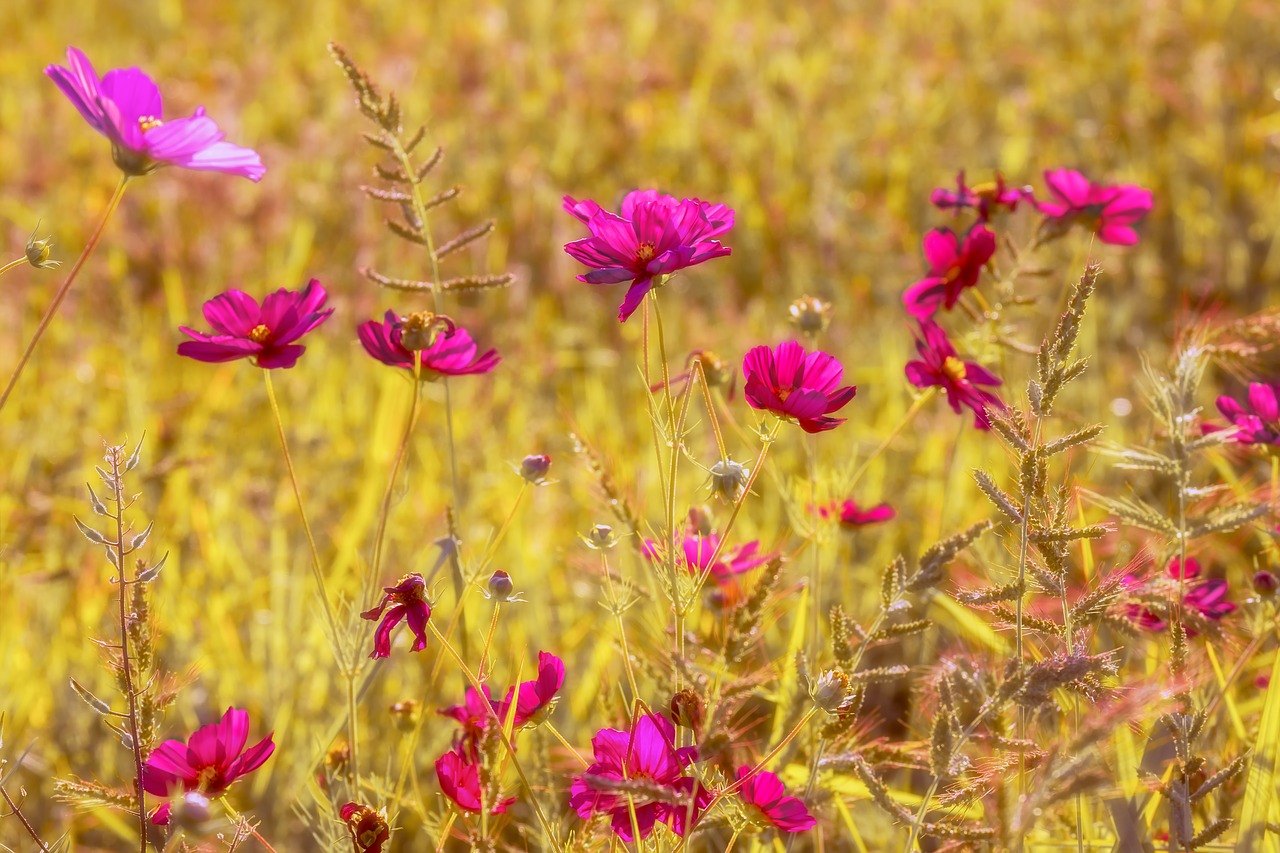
x: 253, y: 830
x: 488, y: 638
x: 813, y: 779
x: 556, y: 733
x: 31, y: 830
x: 506, y: 741
x: 505, y: 526
x: 916, y: 406
x: 16, y: 262
x: 815, y: 600
x: 648, y: 384
x: 380, y: 534
x: 699, y: 372
x: 622, y: 631
x: 66, y: 287
x: 733, y: 839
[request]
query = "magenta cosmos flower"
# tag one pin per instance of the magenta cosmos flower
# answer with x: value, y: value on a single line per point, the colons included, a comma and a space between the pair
x: 125, y: 107
x: 654, y: 235
x: 535, y: 699
x: 407, y: 600
x: 984, y: 198
x: 1109, y: 211
x: 768, y: 804
x: 955, y: 263
x: 1206, y: 599
x: 459, y: 776
x: 450, y: 351
x: 853, y: 516
x: 796, y: 386
x: 646, y: 764
x: 266, y: 333
x: 939, y: 366
x: 212, y: 759
x: 1258, y: 420
x: 698, y: 550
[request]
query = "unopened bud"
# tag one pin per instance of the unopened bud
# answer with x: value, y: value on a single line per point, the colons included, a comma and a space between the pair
x: 810, y: 315
x: 831, y: 691
x: 1264, y: 582
x: 688, y: 709
x: 728, y: 480
x: 337, y: 757
x: 701, y: 520
x: 534, y: 468
x: 718, y: 372
x: 601, y: 537
x: 405, y: 715
x: 418, y: 331
x: 190, y: 811
x: 38, y: 252
x: 500, y: 586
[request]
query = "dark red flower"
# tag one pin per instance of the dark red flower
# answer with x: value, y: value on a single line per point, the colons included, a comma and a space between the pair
x: 450, y: 352
x: 954, y: 264
x: 459, y: 776
x: 368, y: 828
x: 939, y: 366
x: 406, y: 600
x: 797, y: 386
x: 209, y: 762
x: 266, y: 333
x: 984, y: 198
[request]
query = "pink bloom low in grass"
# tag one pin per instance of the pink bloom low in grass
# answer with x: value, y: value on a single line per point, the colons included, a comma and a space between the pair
x: 1206, y: 598
x: 698, y: 550
x: 940, y: 367
x: 652, y: 235
x: 125, y: 106
x: 768, y: 804
x: 797, y: 386
x: 853, y: 516
x: 986, y: 198
x: 646, y: 764
x: 406, y: 601
x: 458, y: 772
x: 265, y: 333
x: 1110, y: 211
x: 535, y: 699
x: 209, y: 762
x: 955, y: 263
x: 451, y: 351
x: 1257, y: 419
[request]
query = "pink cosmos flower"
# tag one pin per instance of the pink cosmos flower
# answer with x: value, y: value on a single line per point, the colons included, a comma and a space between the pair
x: 1258, y: 421
x: 646, y: 764
x: 473, y: 713
x: 941, y: 367
x: 451, y: 352
x: 796, y: 385
x: 954, y: 264
x: 534, y: 699
x: 854, y: 516
x: 768, y: 803
x: 1109, y: 210
x: 407, y: 600
x: 984, y: 198
x: 1206, y: 598
x: 209, y: 762
x: 266, y: 333
x: 655, y: 235
x: 459, y: 776
x: 125, y: 107
x: 699, y: 549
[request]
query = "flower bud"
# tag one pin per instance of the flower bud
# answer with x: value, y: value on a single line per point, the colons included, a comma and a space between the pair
x: 688, y: 709
x: 337, y: 758
x: 38, y: 252
x: 405, y: 715
x: 534, y: 468
x: 600, y: 538
x: 1264, y: 582
x: 810, y: 315
x: 831, y: 691
x: 701, y: 520
x: 718, y: 372
x: 418, y: 331
x: 500, y: 586
x: 190, y: 811
x: 728, y: 480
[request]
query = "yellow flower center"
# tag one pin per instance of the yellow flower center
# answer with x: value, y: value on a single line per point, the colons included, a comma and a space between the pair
x: 953, y: 369
x: 645, y: 252
x: 259, y: 334
x: 209, y: 778
x: 148, y: 122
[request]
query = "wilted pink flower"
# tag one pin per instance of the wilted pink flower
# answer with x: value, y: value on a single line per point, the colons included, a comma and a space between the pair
x: 1257, y: 422
x: 368, y: 828
x: 796, y: 386
x: 768, y: 803
x: 646, y: 764
x: 125, y: 107
x: 535, y: 699
x: 209, y: 762
x: 853, y: 516
x: 406, y: 600
x: 1110, y: 211
x: 985, y: 198
x: 266, y: 333
x: 459, y: 775
x: 699, y: 549
x: 451, y: 352
x: 954, y: 264
x: 655, y: 235
x: 941, y: 367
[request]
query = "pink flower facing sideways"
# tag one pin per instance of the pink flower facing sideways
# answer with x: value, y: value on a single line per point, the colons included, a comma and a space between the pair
x: 125, y: 106
x: 458, y: 772
x: 1207, y: 598
x: 536, y: 699
x: 406, y: 601
x: 698, y: 550
x: 768, y: 804
x: 264, y: 333
x: 955, y: 263
x: 853, y: 516
x: 646, y: 764
x: 1257, y: 421
x: 652, y: 235
x: 1110, y: 211
x: 940, y: 367
x: 212, y: 759
x: 448, y: 351
x: 986, y: 198
x: 796, y: 386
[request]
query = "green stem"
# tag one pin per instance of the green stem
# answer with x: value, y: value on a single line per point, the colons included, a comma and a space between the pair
x: 62, y: 291
x: 884, y: 445
x: 16, y: 262
x: 401, y: 450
